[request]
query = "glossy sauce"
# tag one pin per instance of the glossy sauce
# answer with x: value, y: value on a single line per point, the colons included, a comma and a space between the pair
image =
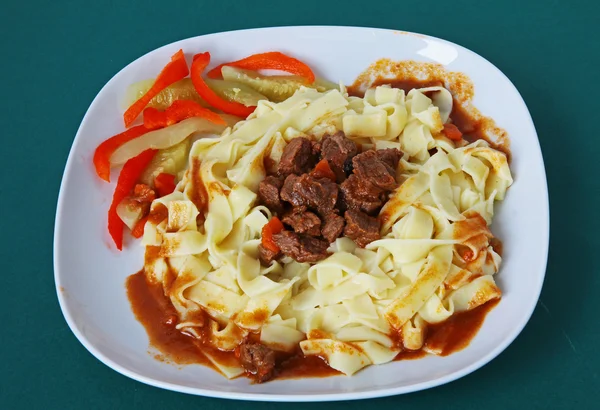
x: 197, y: 193
x: 410, y: 355
x: 158, y: 214
x: 158, y: 316
x: 455, y: 333
x: 300, y: 366
x: 153, y: 310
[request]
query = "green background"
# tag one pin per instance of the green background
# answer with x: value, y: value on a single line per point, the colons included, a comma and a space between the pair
x: 56, y: 55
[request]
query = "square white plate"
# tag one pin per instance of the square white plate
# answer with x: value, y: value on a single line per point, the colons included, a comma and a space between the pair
x: 90, y: 274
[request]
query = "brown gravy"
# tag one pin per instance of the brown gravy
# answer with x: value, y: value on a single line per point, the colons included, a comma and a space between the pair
x: 153, y: 310
x: 158, y: 316
x: 300, y: 366
x: 410, y: 355
x: 198, y: 194
x: 455, y: 333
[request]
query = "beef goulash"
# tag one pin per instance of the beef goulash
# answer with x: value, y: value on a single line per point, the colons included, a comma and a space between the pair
x: 323, y: 190
x: 317, y: 229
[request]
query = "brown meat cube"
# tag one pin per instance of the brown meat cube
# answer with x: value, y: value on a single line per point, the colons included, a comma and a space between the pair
x: 360, y: 194
x: 303, y: 221
x: 316, y: 147
x: 267, y: 256
x: 390, y: 156
x: 338, y: 150
x: 268, y: 193
x: 319, y: 194
x: 297, y: 157
x: 257, y: 360
x: 301, y: 248
x: 288, y: 193
x: 332, y: 227
x: 368, y: 165
x: 361, y: 228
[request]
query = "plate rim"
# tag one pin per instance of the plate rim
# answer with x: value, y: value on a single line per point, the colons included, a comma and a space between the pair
x: 336, y: 396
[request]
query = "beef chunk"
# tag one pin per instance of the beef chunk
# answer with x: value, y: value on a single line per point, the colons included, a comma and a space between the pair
x: 258, y: 360
x: 368, y: 165
x: 316, y: 148
x: 319, y: 194
x: 332, y: 227
x: 288, y: 193
x: 338, y: 150
x: 360, y: 194
x: 267, y: 256
x: 297, y: 157
x: 302, y: 248
x: 390, y: 156
x: 310, y: 205
x: 268, y: 193
x: 361, y: 228
x: 303, y: 221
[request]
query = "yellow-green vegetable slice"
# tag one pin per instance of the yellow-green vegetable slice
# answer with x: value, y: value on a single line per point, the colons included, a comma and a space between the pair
x: 236, y: 92
x: 276, y: 88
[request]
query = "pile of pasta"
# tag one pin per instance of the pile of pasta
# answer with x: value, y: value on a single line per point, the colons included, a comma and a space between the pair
x: 360, y: 306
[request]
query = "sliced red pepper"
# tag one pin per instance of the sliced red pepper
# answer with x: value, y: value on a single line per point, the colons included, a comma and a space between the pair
x: 138, y: 229
x: 164, y: 184
x: 274, y: 226
x: 199, y: 64
x: 452, y: 132
x: 127, y: 179
x: 178, y: 111
x: 107, y: 148
x: 153, y: 119
x: 174, y: 71
x: 273, y: 60
x: 323, y: 170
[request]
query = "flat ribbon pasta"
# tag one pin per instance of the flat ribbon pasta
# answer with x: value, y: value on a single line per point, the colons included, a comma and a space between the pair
x: 359, y: 306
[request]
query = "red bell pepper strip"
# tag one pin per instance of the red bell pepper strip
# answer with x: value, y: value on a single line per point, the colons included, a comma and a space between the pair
x: 274, y: 226
x: 164, y: 184
x: 323, y: 170
x: 107, y: 148
x: 199, y: 64
x: 452, y: 132
x: 127, y: 178
x: 153, y: 119
x: 269, y: 61
x: 138, y: 229
x: 174, y: 71
x: 178, y: 111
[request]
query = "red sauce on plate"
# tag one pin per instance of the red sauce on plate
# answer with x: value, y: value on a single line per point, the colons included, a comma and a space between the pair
x: 158, y: 316
x: 457, y: 332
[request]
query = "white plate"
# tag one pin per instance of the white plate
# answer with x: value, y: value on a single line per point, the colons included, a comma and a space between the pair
x: 90, y: 274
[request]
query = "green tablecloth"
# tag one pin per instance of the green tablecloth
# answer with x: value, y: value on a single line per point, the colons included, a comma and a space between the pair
x: 57, y: 55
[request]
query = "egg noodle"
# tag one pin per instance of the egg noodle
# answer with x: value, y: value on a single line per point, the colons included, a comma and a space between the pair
x: 359, y: 306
